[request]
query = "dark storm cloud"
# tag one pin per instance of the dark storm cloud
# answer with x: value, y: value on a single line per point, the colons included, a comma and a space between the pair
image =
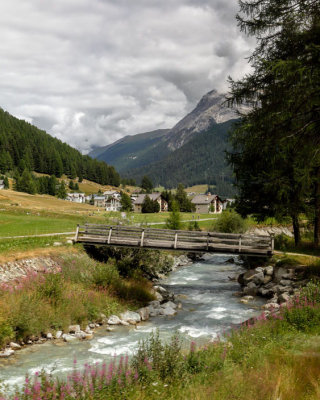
x: 92, y: 71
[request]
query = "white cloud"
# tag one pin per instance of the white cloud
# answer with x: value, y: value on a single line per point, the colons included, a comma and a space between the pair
x: 92, y: 71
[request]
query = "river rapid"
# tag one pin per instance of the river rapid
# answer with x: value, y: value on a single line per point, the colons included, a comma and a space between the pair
x: 209, y: 308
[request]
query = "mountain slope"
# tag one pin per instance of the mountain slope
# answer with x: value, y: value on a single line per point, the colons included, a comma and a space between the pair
x: 25, y: 146
x: 134, y: 151
x: 200, y: 160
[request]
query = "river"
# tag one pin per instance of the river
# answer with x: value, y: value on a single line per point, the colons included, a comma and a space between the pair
x: 209, y: 308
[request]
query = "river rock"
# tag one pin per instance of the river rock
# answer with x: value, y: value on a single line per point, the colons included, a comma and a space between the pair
x: 14, y: 346
x: 49, y: 336
x: 81, y: 335
x: 159, y: 289
x: 89, y: 336
x: 258, y: 279
x: 267, y: 279
x: 168, y: 311
x: 154, y: 303
x: 278, y: 273
x: 131, y: 317
x: 158, y: 296
x: 114, y: 320
x: 169, y: 304
x: 269, y: 270
x: 88, y: 330
x: 68, y: 338
x: 284, y: 298
x: 259, y: 269
x: 58, y: 334
x: 285, y: 282
x: 92, y: 326
x: 124, y: 323
x: 250, y: 289
x: 271, y: 306
x: 154, y: 312
x: 144, y: 313
x: 74, y: 329
x: 6, y: 353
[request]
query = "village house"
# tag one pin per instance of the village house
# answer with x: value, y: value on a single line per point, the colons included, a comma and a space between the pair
x: 1, y: 184
x: 99, y: 201
x: 113, y: 203
x: 207, y: 203
x: 137, y: 206
x: 113, y: 193
x: 76, y: 197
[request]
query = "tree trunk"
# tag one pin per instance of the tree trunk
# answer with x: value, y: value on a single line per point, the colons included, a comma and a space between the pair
x: 296, y: 230
x: 317, y: 209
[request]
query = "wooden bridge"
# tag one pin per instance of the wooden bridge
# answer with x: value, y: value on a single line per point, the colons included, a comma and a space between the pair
x: 166, y: 239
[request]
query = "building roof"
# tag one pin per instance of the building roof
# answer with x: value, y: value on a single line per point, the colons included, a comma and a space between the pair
x: 203, y: 199
x: 141, y: 197
x: 99, y: 198
x: 110, y: 192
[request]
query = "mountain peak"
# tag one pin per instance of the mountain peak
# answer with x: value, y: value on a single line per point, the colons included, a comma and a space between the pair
x: 211, y: 109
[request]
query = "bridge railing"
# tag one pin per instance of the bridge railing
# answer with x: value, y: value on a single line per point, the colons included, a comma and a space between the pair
x: 119, y: 235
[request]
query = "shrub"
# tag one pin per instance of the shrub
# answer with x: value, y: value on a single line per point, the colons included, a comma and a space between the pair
x: 174, y: 220
x: 230, y: 222
x: 282, y: 242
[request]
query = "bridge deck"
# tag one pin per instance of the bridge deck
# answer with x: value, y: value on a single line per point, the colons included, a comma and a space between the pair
x: 214, y: 242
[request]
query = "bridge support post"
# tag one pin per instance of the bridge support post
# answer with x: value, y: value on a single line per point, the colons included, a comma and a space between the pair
x: 76, y: 235
x: 142, y: 238
x: 175, y: 240
x: 109, y: 237
x: 272, y: 242
x: 240, y: 243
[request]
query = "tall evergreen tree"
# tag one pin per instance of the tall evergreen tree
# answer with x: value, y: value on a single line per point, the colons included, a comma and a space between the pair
x: 276, y: 146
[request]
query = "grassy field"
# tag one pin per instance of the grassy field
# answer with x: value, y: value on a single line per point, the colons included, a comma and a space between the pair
x: 22, y: 214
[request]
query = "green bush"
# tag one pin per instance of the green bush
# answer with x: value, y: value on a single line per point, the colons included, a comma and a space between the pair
x: 230, y: 222
x: 282, y: 242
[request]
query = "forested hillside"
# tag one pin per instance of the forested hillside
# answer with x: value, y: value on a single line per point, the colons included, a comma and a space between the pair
x: 201, y: 160
x: 22, y: 145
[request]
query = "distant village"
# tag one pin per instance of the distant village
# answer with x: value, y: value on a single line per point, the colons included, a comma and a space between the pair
x: 110, y: 200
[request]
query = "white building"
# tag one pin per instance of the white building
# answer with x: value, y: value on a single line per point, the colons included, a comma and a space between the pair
x: 76, y: 197
x: 1, y: 184
x: 113, y: 203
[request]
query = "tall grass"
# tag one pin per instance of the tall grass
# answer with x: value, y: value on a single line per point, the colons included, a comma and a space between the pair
x: 77, y: 293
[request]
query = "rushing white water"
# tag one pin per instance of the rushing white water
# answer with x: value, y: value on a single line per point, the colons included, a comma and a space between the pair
x: 209, y: 307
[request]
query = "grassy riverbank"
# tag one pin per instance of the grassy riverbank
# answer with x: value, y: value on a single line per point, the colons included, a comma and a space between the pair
x: 77, y: 291
x: 269, y: 358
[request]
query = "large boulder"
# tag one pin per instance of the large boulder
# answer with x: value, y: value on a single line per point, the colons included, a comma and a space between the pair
x: 6, y: 353
x: 268, y: 270
x: 74, y: 329
x: 14, y: 346
x: 168, y: 311
x: 284, y: 298
x: 169, y: 304
x: 68, y: 338
x: 250, y: 289
x: 144, y: 313
x: 114, y: 320
x: 253, y: 276
x: 131, y: 317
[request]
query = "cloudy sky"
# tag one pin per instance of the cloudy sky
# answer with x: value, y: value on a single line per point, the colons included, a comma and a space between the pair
x: 92, y: 71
